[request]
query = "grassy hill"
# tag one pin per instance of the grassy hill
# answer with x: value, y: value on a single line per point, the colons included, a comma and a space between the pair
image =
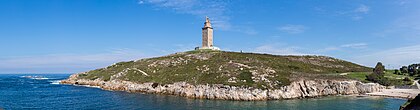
x: 230, y: 68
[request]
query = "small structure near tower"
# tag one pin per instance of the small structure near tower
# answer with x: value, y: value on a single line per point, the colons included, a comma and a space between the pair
x: 207, y: 35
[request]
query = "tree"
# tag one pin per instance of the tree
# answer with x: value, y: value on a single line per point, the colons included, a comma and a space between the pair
x: 418, y: 71
x: 397, y: 72
x: 377, y: 78
x: 373, y: 77
x: 416, y: 68
x: 412, y: 70
x: 378, y: 75
x: 379, y: 69
x: 404, y: 69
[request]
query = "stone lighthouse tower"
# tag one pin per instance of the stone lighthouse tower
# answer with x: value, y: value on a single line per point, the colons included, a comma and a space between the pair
x: 207, y: 32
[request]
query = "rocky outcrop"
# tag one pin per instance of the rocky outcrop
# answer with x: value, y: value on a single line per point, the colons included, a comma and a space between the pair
x: 297, y: 89
x: 412, y: 104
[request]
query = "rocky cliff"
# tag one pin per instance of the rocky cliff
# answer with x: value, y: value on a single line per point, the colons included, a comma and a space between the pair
x: 297, y: 89
x: 230, y: 75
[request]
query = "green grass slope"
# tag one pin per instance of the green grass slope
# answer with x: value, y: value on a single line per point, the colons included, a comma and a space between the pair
x: 396, y: 80
x: 220, y: 67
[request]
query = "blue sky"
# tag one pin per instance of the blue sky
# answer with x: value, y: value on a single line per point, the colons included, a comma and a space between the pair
x: 67, y: 36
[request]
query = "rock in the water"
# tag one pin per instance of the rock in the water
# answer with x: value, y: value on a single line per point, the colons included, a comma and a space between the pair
x: 412, y: 104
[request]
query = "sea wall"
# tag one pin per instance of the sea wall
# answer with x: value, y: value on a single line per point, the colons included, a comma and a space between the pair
x: 297, y: 89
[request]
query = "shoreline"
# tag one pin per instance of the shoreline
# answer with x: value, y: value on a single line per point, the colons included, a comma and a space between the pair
x: 397, y: 93
x: 296, y: 90
x: 382, y: 92
x: 372, y: 95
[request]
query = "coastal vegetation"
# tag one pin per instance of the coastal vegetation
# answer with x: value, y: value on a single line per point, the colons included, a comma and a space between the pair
x: 262, y: 71
x: 209, y: 74
x: 410, y: 70
x: 384, y: 77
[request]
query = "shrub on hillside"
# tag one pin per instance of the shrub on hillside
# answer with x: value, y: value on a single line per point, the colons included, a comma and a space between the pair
x: 379, y: 68
x: 407, y: 79
x: 378, y: 78
x: 397, y: 72
x: 404, y: 69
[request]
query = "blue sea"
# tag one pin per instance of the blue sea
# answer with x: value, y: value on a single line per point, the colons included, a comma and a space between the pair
x: 42, y: 91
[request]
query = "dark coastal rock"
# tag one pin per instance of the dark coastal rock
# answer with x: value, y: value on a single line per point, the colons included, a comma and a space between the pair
x: 412, y: 104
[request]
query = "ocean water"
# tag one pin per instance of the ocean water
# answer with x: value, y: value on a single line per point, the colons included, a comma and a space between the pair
x: 44, y: 92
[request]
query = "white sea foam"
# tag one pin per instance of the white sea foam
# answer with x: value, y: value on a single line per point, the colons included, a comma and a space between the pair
x: 40, y: 78
x: 26, y: 76
x: 36, y: 77
x: 55, y: 82
x: 89, y: 86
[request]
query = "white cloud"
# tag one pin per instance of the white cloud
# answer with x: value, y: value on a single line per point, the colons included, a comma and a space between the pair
x: 293, y: 29
x: 403, y: 27
x: 355, y: 45
x: 357, y: 17
x: 362, y: 9
x: 282, y: 49
x: 392, y: 57
x: 328, y: 49
x: 215, y: 9
x: 278, y: 50
x: 68, y: 62
x: 402, y: 2
x: 183, y: 48
x: 409, y: 23
x: 357, y: 13
x: 247, y: 30
x: 344, y: 46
